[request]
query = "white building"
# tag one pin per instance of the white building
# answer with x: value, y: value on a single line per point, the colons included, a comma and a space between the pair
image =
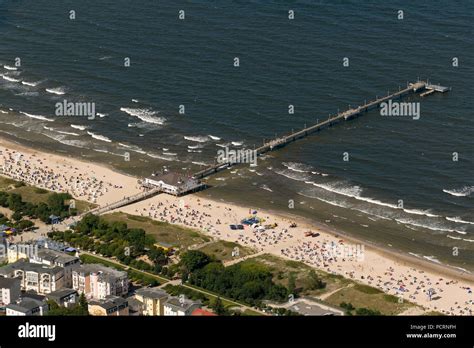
x: 40, y: 278
x: 180, y: 307
x: 173, y: 183
x: 10, y: 290
x: 51, y: 257
x: 98, y: 281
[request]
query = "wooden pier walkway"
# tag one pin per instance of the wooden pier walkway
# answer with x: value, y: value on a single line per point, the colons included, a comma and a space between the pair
x: 123, y: 202
x: 342, y: 116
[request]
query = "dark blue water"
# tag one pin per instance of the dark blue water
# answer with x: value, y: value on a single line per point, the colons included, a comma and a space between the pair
x: 400, y: 186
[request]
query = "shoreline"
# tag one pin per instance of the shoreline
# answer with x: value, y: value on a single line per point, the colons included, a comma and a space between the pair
x: 385, y: 252
x: 379, y: 261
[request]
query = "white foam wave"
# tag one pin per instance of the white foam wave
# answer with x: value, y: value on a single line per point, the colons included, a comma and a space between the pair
x: 420, y: 212
x: 452, y: 237
x: 146, y: 115
x: 8, y: 67
x: 10, y: 79
x: 76, y: 126
x: 99, y: 137
x: 62, y: 139
x: 461, y: 192
x: 193, y: 147
x: 459, y: 220
x: 298, y: 167
x: 57, y: 90
x: 266, y: 188
x: 199, y: 163
x: 31, y: 84
x: 237, y: 143
x: 432, y: 259
x: 430, y: 227
x: 162, y: 157
x: 214, y: 137
x: 337, y: 204
x: 198, y: 139
x: 37, y: 117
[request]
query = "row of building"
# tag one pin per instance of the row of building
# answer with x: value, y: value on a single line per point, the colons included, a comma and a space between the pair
x: 28, y: 281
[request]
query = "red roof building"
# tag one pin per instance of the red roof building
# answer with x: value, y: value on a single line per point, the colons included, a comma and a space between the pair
x: 199, y: 312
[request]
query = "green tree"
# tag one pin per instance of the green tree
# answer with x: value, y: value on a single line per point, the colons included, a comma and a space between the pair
x: 218, y: 307
x: 193, y: 260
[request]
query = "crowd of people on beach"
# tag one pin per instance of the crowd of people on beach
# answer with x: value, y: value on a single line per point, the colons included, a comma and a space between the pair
x: 325, y: 253
x: 410, y: 286
x: 33, y: 170
x: 215, y: 219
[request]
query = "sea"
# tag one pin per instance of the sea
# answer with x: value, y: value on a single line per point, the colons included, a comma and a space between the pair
x: 174, y: 82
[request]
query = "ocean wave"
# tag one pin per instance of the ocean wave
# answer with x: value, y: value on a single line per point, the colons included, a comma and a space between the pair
x: 419, y: 212
x: 76, y: 126
x: 8, y: 67
x: 452, y: 237
x: 31, y: 84
x: 28, y: 94
x: 133, y: 148
x: 99, y: 137
x: 459, y: 220
x: 198, y: 139
x: 432, y: 259
x: 199, y: 163
x: 170, y: 153
x: 62, y: 139
x: 337, y: 204
x: 222, y: 145
x: 294, y: 175
x: 10, y: 79
x: 266, y: 188
x: 57, y: 90
x: 237, y: 143
x: 214, y: 137
x: 194, y: 147
x: 348, y: 191
x: 60, y: 132
x: 162, y: 157
x: 101, y: 114
x: 4, y: 112
x: 37, y: 117
x: 429, y: 227
x: 462, y: 192
x: 195, y: 151
x: 298, y: 167
x: 146, y: 115
x: 101, y: 150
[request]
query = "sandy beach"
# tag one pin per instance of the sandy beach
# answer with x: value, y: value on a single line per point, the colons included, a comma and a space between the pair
x: 400, y: 275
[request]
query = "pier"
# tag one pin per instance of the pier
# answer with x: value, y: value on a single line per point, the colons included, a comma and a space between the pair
x: 276, y: 143
x: 178, y: 185
x: 124, y: 202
